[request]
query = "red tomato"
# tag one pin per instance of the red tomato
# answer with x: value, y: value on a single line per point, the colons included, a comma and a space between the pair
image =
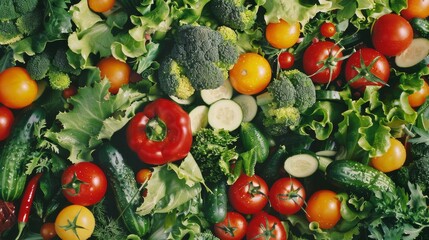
x: 117, y: 72
x: 417, y: 98
x: 6, y: 122
x: 361, y: 76
x: 248, y: 195
x: 143, y: 175
x: 287, y: 195
x: 416, y: 9
x: 391, y: 34
x: 264, y: 226
x: 70, y: 91
x: 84, y: 183
x: 328, y: 29
x: 324, y: 207
x: 233, y: 227
x: 286, y: 60
x: 101, y: 5
x: 47, y: 231
x: 322, y: 62
x: 17, y: 89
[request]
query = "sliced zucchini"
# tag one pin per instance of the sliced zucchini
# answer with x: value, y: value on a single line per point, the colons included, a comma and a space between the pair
x: 415, y: 53
x: 326, y: 153
x: 324, y: 162
x: 199, y: 118
x: 210, y: 96
x: 225, y: 114
x: 301, y: 165
x: 248, y: 105
x: 327, y: 95
x: 183, y: 101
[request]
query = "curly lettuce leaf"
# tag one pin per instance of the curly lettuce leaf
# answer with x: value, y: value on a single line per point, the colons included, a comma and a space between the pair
x: 96, y: 115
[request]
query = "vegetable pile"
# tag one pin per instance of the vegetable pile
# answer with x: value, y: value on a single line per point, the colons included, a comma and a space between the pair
x: 214, y: 119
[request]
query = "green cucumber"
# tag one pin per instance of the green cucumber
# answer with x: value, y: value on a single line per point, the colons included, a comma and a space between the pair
x: 270, y: 169
x: 124, y: 187
x: 252, y: 137
x: 16, y: 152
x: 215, y: 203
x: 327, y: 95
x: 358, y: 177
x: 421, y: 26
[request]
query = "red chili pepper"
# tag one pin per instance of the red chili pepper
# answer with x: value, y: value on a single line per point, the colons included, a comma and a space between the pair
x: 161, y: 133
x: 27, y: 202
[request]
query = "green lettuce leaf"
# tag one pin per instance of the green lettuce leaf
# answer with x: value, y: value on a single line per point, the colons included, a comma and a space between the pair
x: 87, y: 124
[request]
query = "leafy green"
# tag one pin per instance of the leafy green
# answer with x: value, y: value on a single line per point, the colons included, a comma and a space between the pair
x: 87, y: 124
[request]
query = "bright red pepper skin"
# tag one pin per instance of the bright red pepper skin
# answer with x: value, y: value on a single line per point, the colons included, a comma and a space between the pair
x: 178, y: 139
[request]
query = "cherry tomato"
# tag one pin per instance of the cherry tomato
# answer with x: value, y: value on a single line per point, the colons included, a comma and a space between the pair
x: 287, y: 195
x: 6, y: 122
x: 391, y: 34
x: 116, y: 71
x: 251, y: 74
x: 328, y: 29
x: 362, y: 76
x: 17, y: 89
x: 70, y: 91
x: 393, y: 159
x: 324, y: 207
x: 233, y: 227
x: 417, y: 98
x: 264, y: 226
x: 248, y: 195
x: 143, y: 175
x: 416, y: 9
x: 75, y: 222
x: 84, y: 183
x: 286, y: 60
x: 321, y: 61
x: 282, y: 34
x: 47, y: 230
x: 101, y: 5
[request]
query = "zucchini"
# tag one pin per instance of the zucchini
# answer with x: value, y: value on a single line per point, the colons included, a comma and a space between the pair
x: 421, y: 26
x: 16, y: 152
x: 358, y: 177
x: 225, y: 114
x: 199, y: 118
x: 270, y: 169
x: 215, y: 203
x: 124, y: 187
x: 225, y: 91
x: 301, y: 165
x: 252, y: 137
x: 327, y: 95
x: 248, y: 105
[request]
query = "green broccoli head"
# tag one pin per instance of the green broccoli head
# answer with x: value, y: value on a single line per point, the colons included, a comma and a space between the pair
x: 228, y: 34
x: 62, y: 64
x: 9, y: 33
x: 59, y: 80
x: 206, y: 235
x: 12, y: 9
x: 38, y: 66
x: 277, y: 120
x: 305, y: 90
x: 173, y: 81
x: 234, y: 13
x: 203, y: 57
x: 418, y: 171
x: 283, y: 92
x: 29, y: 22
x: 25, y: 6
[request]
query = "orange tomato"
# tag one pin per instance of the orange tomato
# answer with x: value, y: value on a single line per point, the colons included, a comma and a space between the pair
x: 143, y: 175
x: 324, y: 207
x: 17, y: 88
x: 101, y: 5
x: 117, y: 72
x: 282, y: 34
x: 393, y: 159
x: 417, y: 98
x: 416, y: 9
x: 251, y: 74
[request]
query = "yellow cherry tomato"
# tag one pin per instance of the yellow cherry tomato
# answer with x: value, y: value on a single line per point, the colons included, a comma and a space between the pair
x: 17, y: 88
x: 282, y: 34
x: 75, y: 222
x: 393, y: 159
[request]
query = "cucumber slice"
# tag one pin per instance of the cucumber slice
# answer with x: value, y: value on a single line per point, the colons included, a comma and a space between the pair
x: 324, y: 162
x: 225, y: 114
x: 301, y: 165
x: 180, y: 101
x: 210, y: 96
x: 248, y: 105
x: 415, y: 53
x: 327, y: 95
x: 199, y: 118
x: 326, y: 153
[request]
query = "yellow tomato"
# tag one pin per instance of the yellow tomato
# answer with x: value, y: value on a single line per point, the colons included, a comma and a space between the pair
x: 75, y: 222
x: 17, y: 88
x: 393, y: 159
x: 251, y: 74
x: 282, y: 34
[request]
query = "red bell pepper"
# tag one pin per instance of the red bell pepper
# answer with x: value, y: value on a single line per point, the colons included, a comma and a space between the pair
x: 161, y: 133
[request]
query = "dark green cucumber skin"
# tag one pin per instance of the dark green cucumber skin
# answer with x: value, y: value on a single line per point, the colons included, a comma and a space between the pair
x: 124, y: 187
x: 14, y: 155
x: 270, y: 169
x: 252, y: 137
x: 215, y: 204
x: 421, y: 26
x: 358, y: 177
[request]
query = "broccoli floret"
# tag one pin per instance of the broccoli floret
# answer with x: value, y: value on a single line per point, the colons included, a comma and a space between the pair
x: 419, y: 150
x: 25, y: 6
x: 62, y: 64
x: 401, y: 177
x: 38, y: 66
x: 59, y: 80
x: 234, y: 13
x: 206, y: 235
x: 418, y: 171
x: 211, y: 149
x: 202, y: 56
x: 29, y: 22
x: 173, y: 81
x: 7, y: 11
x: 9, y: 32
x: 287, y: 96
x: 228, y: 33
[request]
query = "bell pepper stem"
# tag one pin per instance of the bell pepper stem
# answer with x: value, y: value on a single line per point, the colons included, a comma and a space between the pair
x: 156, y: 130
